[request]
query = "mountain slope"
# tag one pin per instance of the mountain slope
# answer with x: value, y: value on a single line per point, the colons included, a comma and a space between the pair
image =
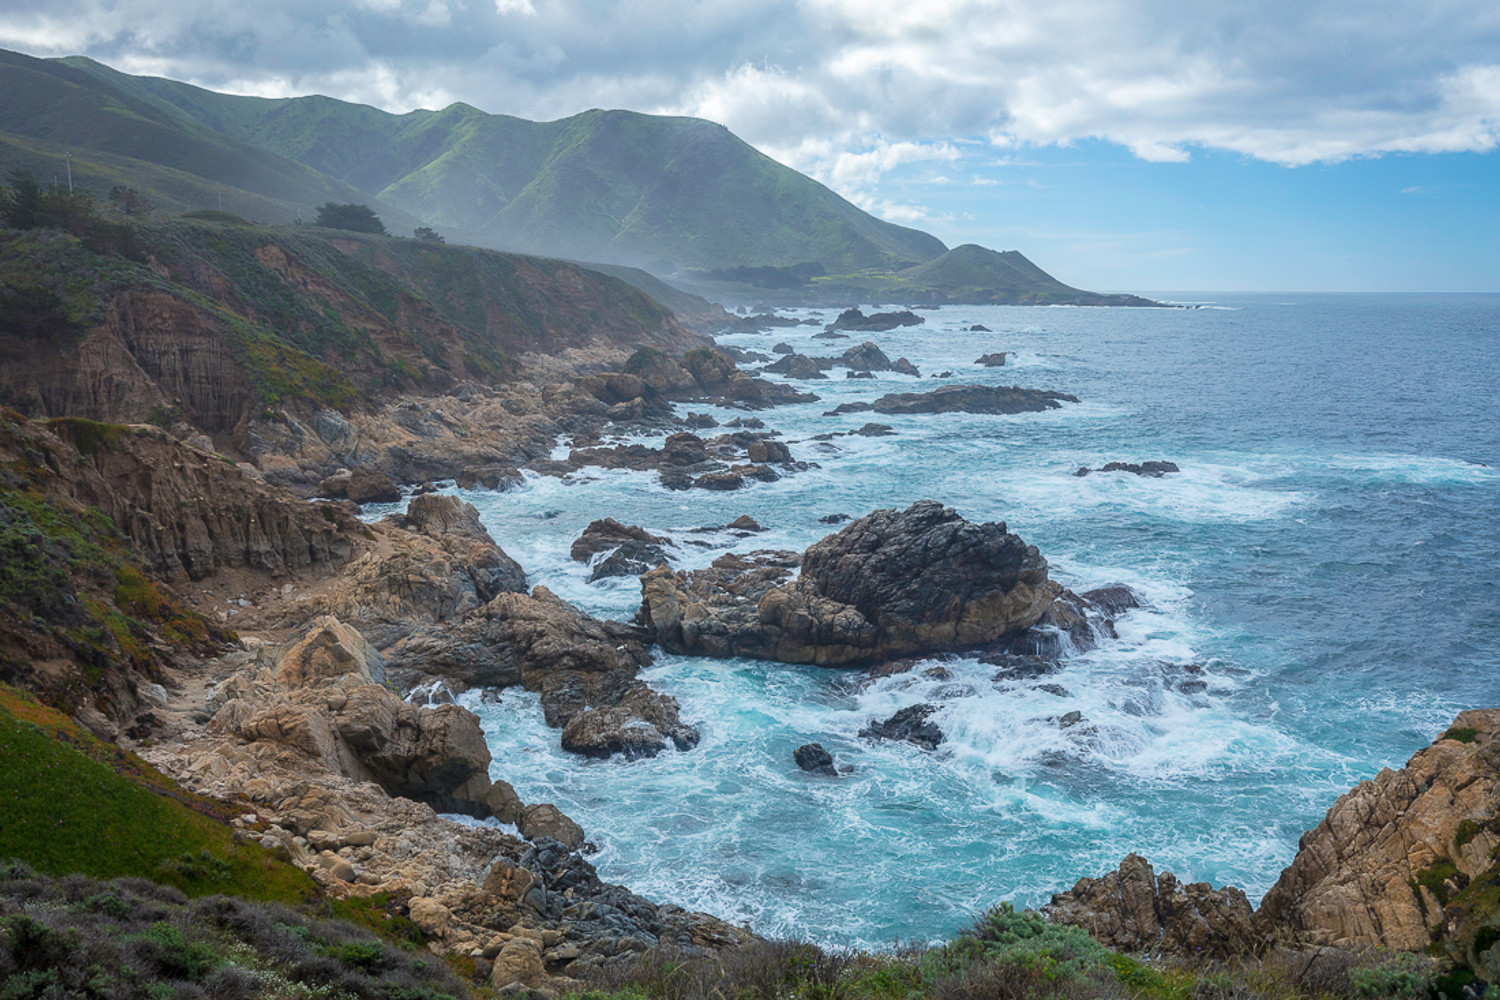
x: 51, y: 108
x: 615, y: 186
x: 972, y: 273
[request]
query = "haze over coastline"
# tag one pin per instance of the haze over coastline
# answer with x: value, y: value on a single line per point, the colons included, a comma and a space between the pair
x: 1121, y: 146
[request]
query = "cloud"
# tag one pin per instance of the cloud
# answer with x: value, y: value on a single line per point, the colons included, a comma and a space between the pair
x: 854, y: 89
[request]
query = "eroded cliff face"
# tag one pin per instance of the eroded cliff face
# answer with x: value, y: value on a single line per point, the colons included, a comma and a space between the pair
x: 219, y: 326
x: 1407, y: 858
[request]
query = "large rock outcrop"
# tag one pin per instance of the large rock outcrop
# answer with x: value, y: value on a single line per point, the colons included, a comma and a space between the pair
x: 1408, y: 857
x: 434, y: 563
x: 324, y: 698
x: 584, y: 669
x: 1136, y: 910
x: 891, y: 584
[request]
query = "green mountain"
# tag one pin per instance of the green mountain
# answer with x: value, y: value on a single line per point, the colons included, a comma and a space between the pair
x: 676, y: 196
x: 52, y: 108
x: 614, y: 186
x: 975, y: 274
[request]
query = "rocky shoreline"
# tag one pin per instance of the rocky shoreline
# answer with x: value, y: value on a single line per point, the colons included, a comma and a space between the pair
x: 302, y: 722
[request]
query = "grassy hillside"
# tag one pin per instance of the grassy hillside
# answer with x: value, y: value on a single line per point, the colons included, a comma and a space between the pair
x: 615, y: 186
x: 117, y: 137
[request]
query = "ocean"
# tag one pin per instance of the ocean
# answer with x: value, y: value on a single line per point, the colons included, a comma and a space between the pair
x: 1325, y: 563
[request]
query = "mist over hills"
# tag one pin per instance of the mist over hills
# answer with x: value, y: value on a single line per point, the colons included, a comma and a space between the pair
x: 682, y: 198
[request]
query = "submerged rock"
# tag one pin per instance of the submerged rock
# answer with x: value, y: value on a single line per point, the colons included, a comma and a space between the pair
x: 811, y: 757
x: 964, y: 399
x: 1154, y: 470
x: 909, y: 725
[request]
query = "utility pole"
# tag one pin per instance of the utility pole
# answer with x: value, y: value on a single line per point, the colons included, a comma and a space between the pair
x: 69, y: 158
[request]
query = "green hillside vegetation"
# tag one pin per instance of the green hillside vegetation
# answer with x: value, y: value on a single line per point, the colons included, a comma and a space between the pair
x: 52, y: 108
x: 615, y: 186
x: 972, y: 273
x: 313, y: 317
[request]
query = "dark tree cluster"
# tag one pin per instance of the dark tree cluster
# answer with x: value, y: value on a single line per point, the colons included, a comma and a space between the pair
x: 355, y: 218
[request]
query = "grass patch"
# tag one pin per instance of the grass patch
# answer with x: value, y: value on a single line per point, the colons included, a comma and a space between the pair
x: 76, y: 804
x: 1460, y: 734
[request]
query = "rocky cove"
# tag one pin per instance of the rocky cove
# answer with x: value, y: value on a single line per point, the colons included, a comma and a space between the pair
x: 373, y: 645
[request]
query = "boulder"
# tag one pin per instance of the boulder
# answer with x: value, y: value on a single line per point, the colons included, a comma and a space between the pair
x: 909, y: 725
x: 368, y: 486
x: 1136, y: 910
x: 811, y: 757
x: 765, y: 450
x: 642, y: 723
x: 544, y: 820
x: 782, y: 349
x: 901, y: 366
x: 798, y: 366
x: 995, y: 360
x: 492, y: 477
x: 892, y: 584
x: 866, y: 357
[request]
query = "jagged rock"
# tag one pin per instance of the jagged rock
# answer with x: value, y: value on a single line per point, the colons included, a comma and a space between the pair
x: 901, y: 366
x: 1406, y: 858
x: 492, y: 477
x: 866, y: 357
x: 811, y: 757
x: 1113, y: 601
x: 909, y: 725
x: 642, y: 723
x: 1154, y: 470
x: 869, y: 375
x: 700, y: 421
x: 324, y: 698
x: 747, y: 423
x: 830, y: 335
x: 995, y: 360
x: 892, y: 584
x: 796, y: 366
x: 577, y: 664
x: 979, y: 328
x: 433, y: 563
x: 1136, y: 910
x: 632, y: 550
x: 875, y: 430
x: 834, y: 518
x: 607, y: 533
x: 782, y: 349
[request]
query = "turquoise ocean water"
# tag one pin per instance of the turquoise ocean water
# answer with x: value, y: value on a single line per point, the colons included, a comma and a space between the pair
x: 1328, y: 555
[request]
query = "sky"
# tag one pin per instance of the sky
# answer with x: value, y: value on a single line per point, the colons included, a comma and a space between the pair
x: 1141, y: 145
